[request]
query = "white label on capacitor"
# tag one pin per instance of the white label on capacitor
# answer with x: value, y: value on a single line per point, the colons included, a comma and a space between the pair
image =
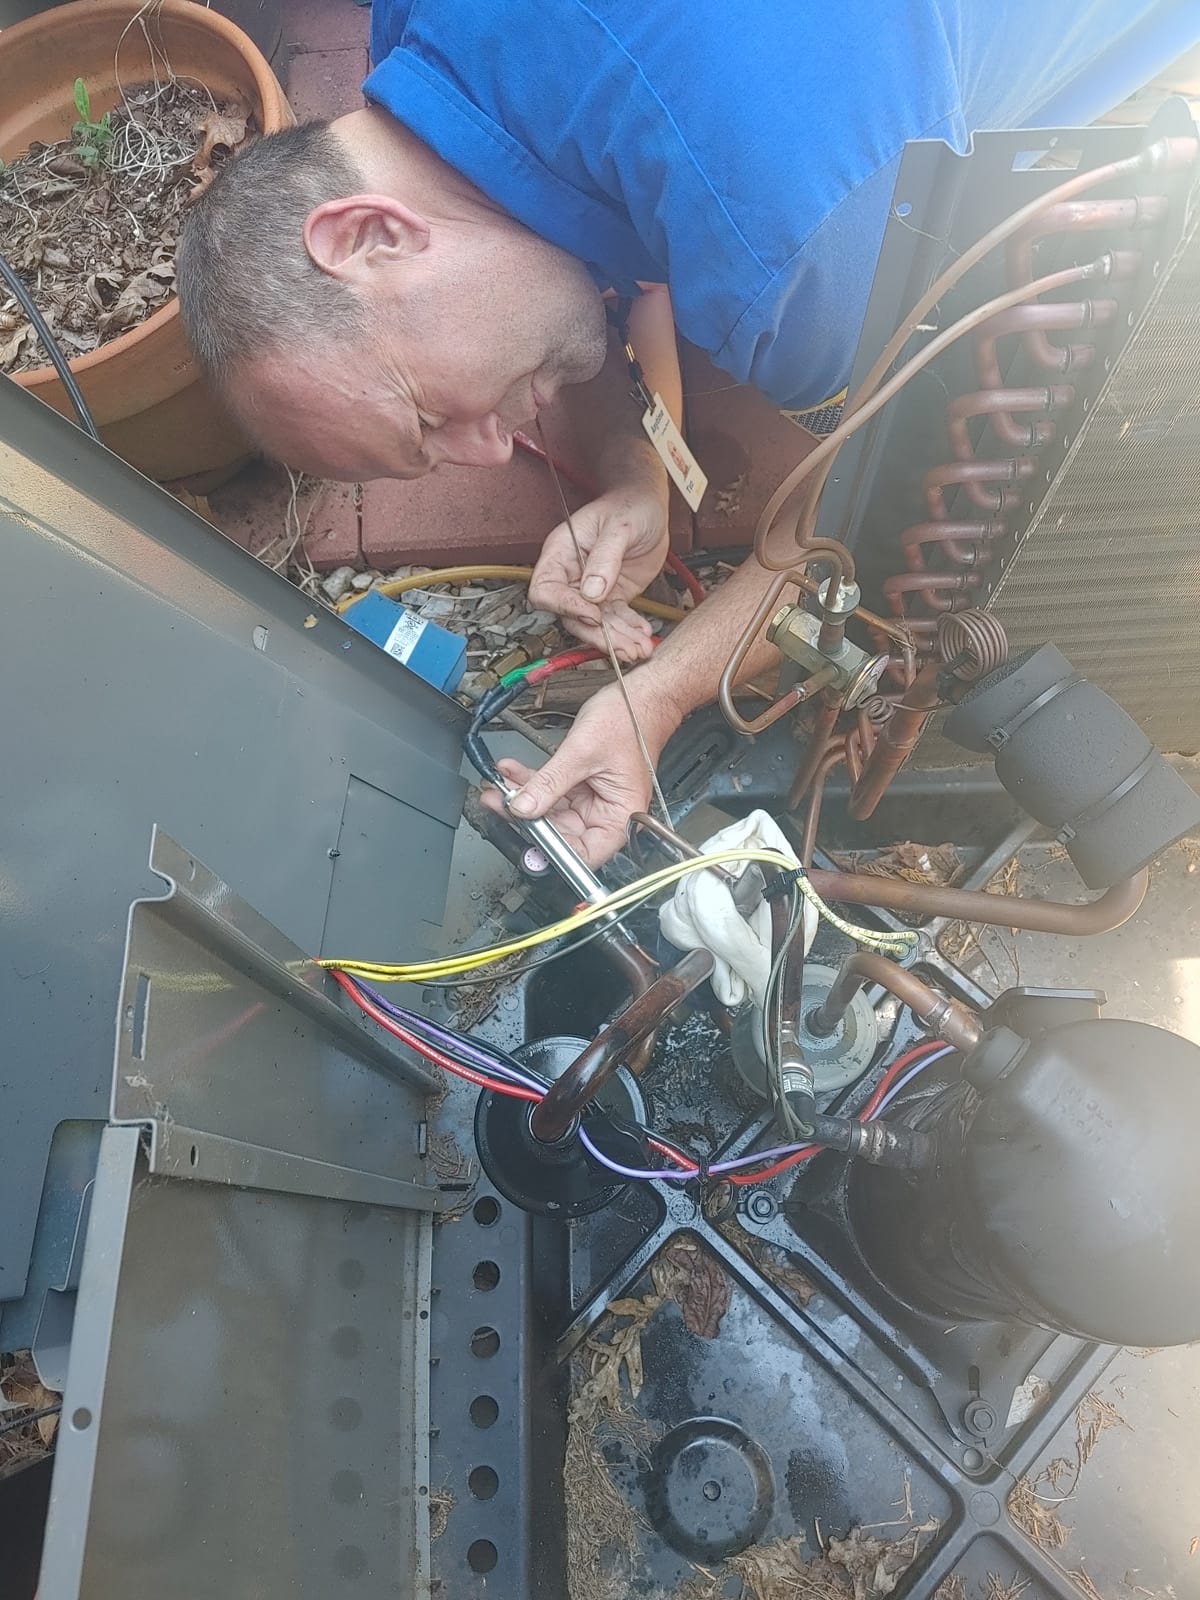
x: 402, y: 640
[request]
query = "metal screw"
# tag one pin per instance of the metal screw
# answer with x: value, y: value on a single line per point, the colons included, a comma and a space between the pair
x: 761, y: 1206
x: 979, y: 1418
x: 333, y: 854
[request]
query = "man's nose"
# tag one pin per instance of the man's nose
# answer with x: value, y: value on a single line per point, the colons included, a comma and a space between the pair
x: 485, y: 442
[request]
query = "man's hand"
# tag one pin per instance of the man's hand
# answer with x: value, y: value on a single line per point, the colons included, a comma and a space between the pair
x: 598, y: 775
x: 623, y: 540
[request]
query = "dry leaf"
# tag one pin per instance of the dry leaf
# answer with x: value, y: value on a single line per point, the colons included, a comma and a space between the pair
x: 10, y: 349
x: 67, y: 167
x: 10, y: 320
x: 195, y: 502
x: 705, y: 1291
x: 132, y: 303
x: 1194, y: 1546
x: 310, y: 621
x: 223, y: 130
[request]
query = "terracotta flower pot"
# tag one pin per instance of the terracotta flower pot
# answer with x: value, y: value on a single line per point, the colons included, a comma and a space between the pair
x: 143, y: 388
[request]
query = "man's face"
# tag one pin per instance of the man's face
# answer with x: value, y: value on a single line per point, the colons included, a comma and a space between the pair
x: 455, y: 358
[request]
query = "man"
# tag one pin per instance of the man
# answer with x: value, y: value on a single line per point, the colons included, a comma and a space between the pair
x: 402, y: 288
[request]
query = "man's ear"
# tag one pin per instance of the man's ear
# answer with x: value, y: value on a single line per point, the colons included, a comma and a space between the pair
x: 347, y: 238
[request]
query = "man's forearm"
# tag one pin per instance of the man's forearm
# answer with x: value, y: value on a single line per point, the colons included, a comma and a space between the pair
x: 685, y: 671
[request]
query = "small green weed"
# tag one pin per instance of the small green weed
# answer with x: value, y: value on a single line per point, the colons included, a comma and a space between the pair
x: 94, y: 138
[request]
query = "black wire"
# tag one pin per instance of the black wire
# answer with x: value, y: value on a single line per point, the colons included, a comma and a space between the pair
x: 30, y: 1416
x: 59, y: 362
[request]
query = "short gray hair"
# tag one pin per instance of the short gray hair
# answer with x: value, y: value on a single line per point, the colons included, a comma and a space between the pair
x: 245, y: 281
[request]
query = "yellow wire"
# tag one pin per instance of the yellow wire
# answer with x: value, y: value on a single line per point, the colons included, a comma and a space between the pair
x: 395, y: 587
x: 620, y: 900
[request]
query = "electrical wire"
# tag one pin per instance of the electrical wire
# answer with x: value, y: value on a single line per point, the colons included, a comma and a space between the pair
x: 491, y: 1069
x: 429, y: 1051
x: 507, y: 1078
x: 588, y: 486
x: 620, y: 900
x: 522, y: 967
x: 916, y: 1054
x: 901, y: 1084
x: 58, y: 361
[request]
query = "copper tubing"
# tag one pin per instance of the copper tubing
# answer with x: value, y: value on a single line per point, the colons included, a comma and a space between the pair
x: 998, y: 405
x: 827, y: 712
x: 1164, y: 155
x: 832, y: 758
x: 950, y: 1019
x: 937, y: 589
x: 592, y: 1068
x: 927, y: 901
x: 1078, y: 216
x: 972, y: 475
x: 640, y: 970
x: 1056, y: 316
x: 896, y: 740
x: 958, y: 540
x: 809, y: 475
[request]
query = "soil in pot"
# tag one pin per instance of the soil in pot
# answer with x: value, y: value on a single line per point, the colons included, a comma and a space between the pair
x: 91, y: 223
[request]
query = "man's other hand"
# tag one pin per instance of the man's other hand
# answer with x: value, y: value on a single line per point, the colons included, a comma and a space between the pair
x: 597, y: 777
x: 623, y: 540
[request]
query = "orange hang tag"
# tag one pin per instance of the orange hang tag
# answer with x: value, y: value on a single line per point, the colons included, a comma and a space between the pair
x: 674, y: 453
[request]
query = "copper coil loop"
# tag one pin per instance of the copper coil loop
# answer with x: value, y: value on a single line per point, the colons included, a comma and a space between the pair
x: 972, y: 643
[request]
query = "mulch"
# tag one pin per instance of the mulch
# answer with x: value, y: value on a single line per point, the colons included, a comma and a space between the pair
x: 95, y: 239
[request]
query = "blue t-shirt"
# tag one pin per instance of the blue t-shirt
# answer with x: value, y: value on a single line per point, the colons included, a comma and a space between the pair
x: 744, y: 154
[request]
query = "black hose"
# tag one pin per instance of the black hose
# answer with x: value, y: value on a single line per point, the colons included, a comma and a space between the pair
x: 882, y: 1144
x: 59, y: 362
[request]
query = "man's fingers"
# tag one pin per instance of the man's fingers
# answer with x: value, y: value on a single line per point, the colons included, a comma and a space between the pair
x: 603, y: 566
x: 564, y: 599
x: 544, y: 787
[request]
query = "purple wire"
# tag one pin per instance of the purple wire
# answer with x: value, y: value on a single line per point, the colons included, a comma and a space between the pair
x: 902, y: 1083
x: 483, y: 1060
x: 589, y: 1144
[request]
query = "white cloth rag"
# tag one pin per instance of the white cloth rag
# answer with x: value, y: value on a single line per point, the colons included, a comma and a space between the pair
x: 702, y: 915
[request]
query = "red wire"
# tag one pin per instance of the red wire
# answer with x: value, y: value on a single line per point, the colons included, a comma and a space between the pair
x: 432, y: 1053
x: 560, y: 663
x: 429, y: 1051
x: 741, y: 1179
x: 686, y: 576
x: 894, y: 1071
x: 868, y: 1111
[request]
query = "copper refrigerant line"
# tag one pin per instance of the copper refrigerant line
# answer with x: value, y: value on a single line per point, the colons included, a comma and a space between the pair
x: 947, y: 555
x: 950, y: 556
